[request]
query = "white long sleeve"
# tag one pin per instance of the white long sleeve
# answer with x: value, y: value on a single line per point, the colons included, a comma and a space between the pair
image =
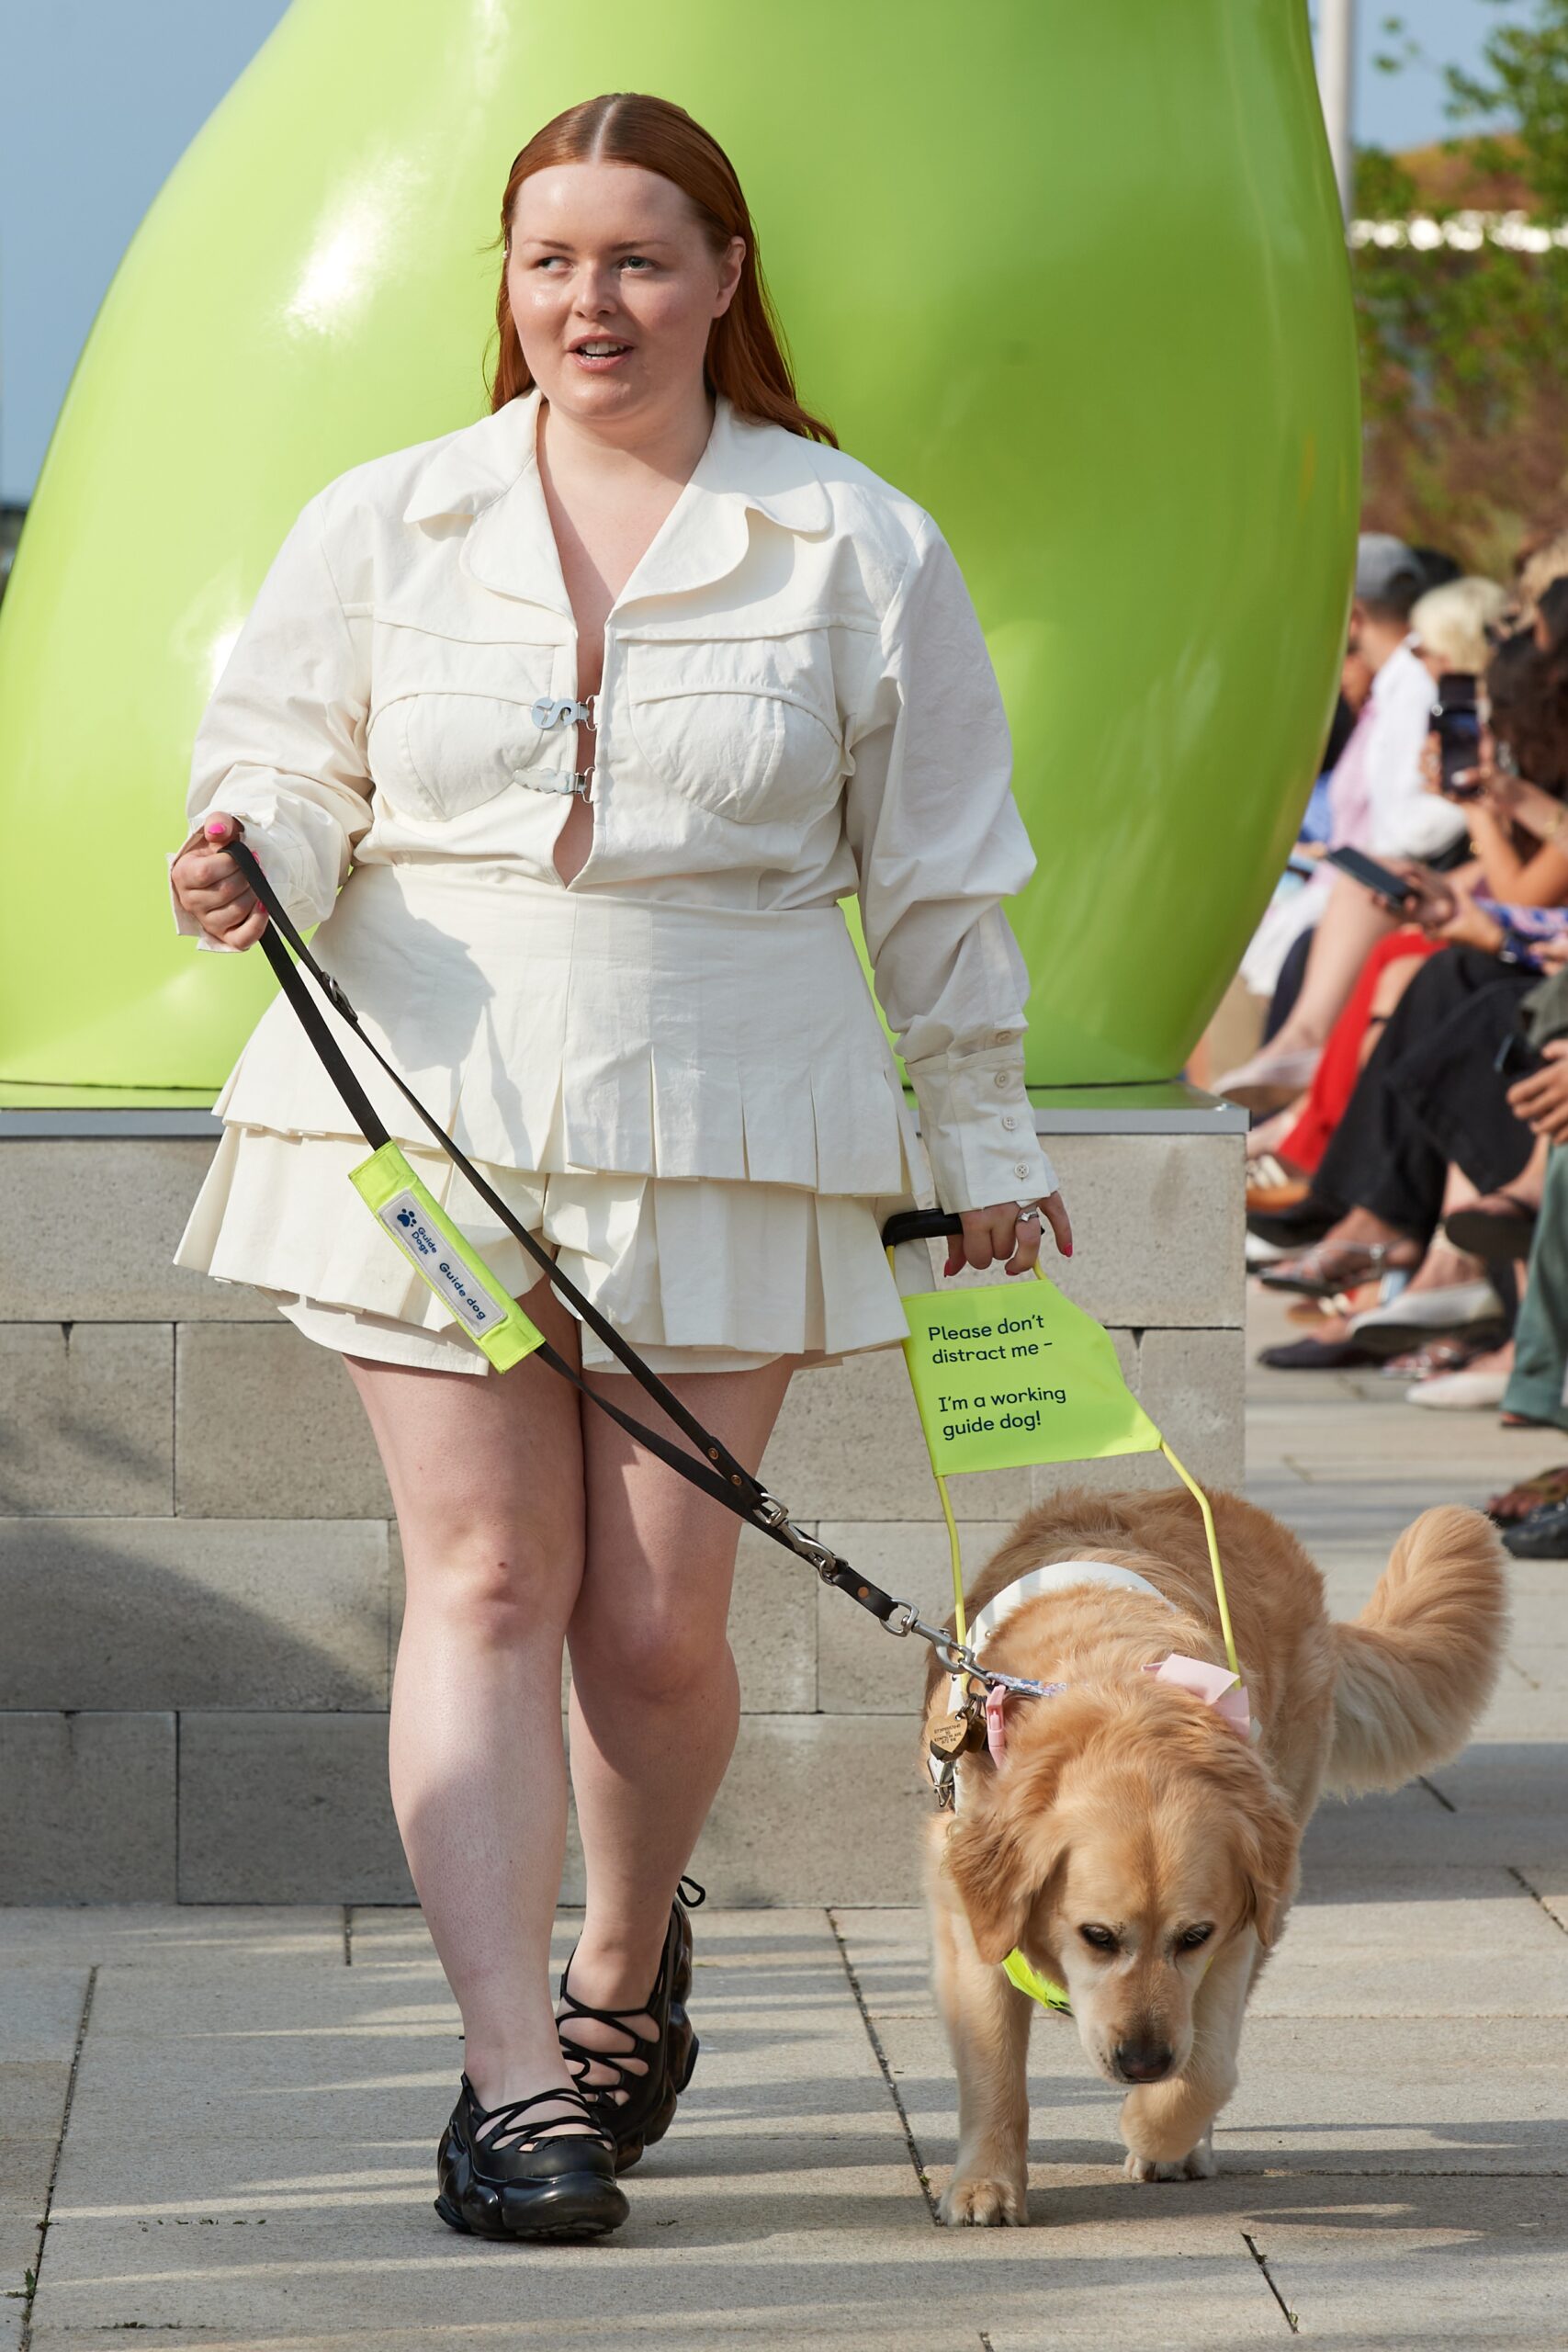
x: 939, y: 843
x: 1404, y: 819
x: 281, y: 743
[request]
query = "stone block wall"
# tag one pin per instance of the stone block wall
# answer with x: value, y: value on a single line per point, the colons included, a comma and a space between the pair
x: 201, y: 1585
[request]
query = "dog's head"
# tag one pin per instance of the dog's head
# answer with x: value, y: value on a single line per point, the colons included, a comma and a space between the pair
x: 1129, y: 1837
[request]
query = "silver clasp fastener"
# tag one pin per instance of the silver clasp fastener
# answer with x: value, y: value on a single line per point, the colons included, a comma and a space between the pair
x: 563, y: 780
x: 554, y: 711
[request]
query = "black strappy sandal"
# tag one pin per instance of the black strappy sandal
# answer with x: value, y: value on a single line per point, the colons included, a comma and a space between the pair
x: 557, y: 2181
x: 652, y: 2086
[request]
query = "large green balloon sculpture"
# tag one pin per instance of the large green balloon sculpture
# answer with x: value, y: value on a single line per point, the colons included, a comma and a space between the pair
x: 1073, y: 276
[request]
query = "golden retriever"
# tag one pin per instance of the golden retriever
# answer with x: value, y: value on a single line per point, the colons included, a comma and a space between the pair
x: 1134, y: 1846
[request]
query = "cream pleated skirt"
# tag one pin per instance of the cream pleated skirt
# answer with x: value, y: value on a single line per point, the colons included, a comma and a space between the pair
x: 694, y: 1111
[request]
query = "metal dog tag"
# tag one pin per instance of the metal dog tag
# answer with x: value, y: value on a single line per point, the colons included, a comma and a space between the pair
x: 949, y: 1738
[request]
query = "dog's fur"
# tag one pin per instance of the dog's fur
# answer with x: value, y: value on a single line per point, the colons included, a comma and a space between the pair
x: 1130, y: 1806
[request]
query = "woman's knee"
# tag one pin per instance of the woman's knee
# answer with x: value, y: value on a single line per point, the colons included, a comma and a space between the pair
x: 502, y: 1581
x: 661, y: 1658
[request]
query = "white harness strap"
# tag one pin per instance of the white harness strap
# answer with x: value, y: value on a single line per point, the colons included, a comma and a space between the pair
x: 1060, y: 1576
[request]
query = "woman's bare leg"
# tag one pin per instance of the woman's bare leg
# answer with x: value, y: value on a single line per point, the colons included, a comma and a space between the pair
x: 486, y: 1474
x: 1347, y: 930
x: 655, y: 1702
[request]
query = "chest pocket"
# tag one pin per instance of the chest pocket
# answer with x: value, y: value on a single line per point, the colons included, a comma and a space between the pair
x: 745, y: 727
x: 451, y: 724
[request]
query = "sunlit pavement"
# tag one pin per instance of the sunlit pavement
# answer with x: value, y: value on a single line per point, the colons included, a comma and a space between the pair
x: 250, y: 2098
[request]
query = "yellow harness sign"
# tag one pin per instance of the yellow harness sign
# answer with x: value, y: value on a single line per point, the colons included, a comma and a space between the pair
x: 1005, y: 1376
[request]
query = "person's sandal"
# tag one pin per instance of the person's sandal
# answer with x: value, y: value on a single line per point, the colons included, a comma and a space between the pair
x: 636, y: 2106
x: 1330, y: 1268
x: 557, y: 2180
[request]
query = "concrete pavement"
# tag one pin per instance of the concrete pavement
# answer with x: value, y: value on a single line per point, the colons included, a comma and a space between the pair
x: 225, y: 2118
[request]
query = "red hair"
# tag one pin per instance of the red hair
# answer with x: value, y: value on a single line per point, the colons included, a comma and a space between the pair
x: 745, y: 357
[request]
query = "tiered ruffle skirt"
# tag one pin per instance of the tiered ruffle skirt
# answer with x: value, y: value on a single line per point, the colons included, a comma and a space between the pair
x: 695, y: 1110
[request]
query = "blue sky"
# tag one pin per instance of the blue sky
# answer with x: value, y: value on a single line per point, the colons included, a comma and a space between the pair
x: 103, y: 96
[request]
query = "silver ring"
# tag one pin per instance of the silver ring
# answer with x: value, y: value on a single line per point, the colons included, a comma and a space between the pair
x: 1028, y: 1213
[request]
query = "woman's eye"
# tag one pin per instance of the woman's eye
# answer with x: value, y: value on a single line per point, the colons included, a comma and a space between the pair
x: 1103, y: 1939
x: 1192, y: 1936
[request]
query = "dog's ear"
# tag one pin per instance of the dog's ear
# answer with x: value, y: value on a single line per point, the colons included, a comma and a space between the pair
x: 1000, y: 1856
x: 984, y: 1859
x: 1266, y: 1861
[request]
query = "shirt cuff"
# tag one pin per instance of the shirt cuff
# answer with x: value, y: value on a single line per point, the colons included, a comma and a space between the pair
x: 186, y: 923
x: 978, y: 1129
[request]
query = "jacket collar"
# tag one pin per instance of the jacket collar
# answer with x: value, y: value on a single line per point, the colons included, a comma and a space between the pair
x: 489, y: 472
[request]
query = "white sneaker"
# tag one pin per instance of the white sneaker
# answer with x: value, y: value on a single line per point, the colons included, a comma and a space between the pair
x: 1269, y: 1078
x: 1450, y: 1309
x: 1458, y: 1392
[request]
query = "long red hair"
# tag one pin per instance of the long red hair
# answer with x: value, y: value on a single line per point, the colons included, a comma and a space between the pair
x: 745, y: 357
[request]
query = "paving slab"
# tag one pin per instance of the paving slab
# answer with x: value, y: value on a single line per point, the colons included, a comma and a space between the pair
x: 1413, y: 2263
x: 163, y: 1936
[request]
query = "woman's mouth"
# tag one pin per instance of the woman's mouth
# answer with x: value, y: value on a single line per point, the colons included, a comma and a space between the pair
x: 600, y: 353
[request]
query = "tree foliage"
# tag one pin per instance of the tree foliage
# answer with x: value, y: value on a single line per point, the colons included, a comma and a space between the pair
x: 1464, y: 355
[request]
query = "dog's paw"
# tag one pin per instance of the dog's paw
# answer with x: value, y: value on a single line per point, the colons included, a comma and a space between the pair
x: 1198, y: 2164
x: 976, y: 2204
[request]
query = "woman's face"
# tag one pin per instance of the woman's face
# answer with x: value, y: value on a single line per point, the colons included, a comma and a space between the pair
x: 614, y: 288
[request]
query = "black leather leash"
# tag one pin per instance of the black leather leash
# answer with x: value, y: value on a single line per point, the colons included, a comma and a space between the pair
x: 719, y: 1474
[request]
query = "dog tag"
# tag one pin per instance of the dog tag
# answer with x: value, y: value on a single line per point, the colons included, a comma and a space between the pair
x: 951, y: 1738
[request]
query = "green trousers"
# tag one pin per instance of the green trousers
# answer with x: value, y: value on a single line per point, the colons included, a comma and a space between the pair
x: 1540, y: 1337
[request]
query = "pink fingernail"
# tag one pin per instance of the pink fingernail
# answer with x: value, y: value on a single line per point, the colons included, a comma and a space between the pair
x: 217, y: 827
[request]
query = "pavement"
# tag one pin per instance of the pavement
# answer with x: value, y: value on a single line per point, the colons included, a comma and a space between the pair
x: 218, y: 2124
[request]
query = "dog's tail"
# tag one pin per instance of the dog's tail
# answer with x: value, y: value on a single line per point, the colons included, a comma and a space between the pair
x: 1416, y: 1667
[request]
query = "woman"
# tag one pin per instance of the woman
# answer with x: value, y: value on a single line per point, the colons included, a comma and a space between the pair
x: 610, y: 698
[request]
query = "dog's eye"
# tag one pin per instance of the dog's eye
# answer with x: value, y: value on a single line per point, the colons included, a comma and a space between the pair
x: 1190, y: 1937
x: 1103, y: 1939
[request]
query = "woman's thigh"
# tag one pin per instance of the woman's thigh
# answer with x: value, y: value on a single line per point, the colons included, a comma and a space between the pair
x: 660, y: 1555
x: 486, y: 1470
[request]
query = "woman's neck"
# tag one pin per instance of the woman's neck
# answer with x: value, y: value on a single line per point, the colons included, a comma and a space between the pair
x: 667, y: 448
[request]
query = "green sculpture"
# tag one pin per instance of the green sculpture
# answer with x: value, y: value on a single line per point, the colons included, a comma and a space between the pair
x: 1074, y: 277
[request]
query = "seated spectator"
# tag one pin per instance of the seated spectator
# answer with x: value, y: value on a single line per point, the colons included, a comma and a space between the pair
x: 1449, y: 630
x: 1379, y: 803
x: 1431, y: 1099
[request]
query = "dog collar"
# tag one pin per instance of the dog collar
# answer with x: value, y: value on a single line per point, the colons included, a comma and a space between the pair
x: 1060, y: 1575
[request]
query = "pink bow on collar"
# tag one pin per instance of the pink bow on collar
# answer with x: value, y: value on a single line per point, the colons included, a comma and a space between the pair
x: 1215, y: 1685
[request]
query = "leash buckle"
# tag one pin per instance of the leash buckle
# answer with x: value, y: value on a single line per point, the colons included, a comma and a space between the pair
x: 772, y: 1512
x: 337, y: 996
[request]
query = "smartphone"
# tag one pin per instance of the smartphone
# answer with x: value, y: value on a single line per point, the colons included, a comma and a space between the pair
x: 1516, y: 1057
x: 1455, y: 723
x: 1381, y: 879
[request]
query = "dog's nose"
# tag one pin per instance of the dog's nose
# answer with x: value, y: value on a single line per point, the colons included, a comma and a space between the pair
x: 1141, y: 2059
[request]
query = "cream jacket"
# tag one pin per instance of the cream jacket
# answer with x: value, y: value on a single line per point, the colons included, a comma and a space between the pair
x: 796, y: 705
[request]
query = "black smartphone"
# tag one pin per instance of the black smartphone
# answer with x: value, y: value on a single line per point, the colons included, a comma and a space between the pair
x: 1381, y: 879
x: 1455, y: 723
x: 1516, y: 1057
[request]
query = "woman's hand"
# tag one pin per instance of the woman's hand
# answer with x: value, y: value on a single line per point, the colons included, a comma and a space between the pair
x: 994, y: 1232
x: 1541, y: 1098
x: 209, y: 885
x: 1430, y: 900
x: 1468, y: 926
